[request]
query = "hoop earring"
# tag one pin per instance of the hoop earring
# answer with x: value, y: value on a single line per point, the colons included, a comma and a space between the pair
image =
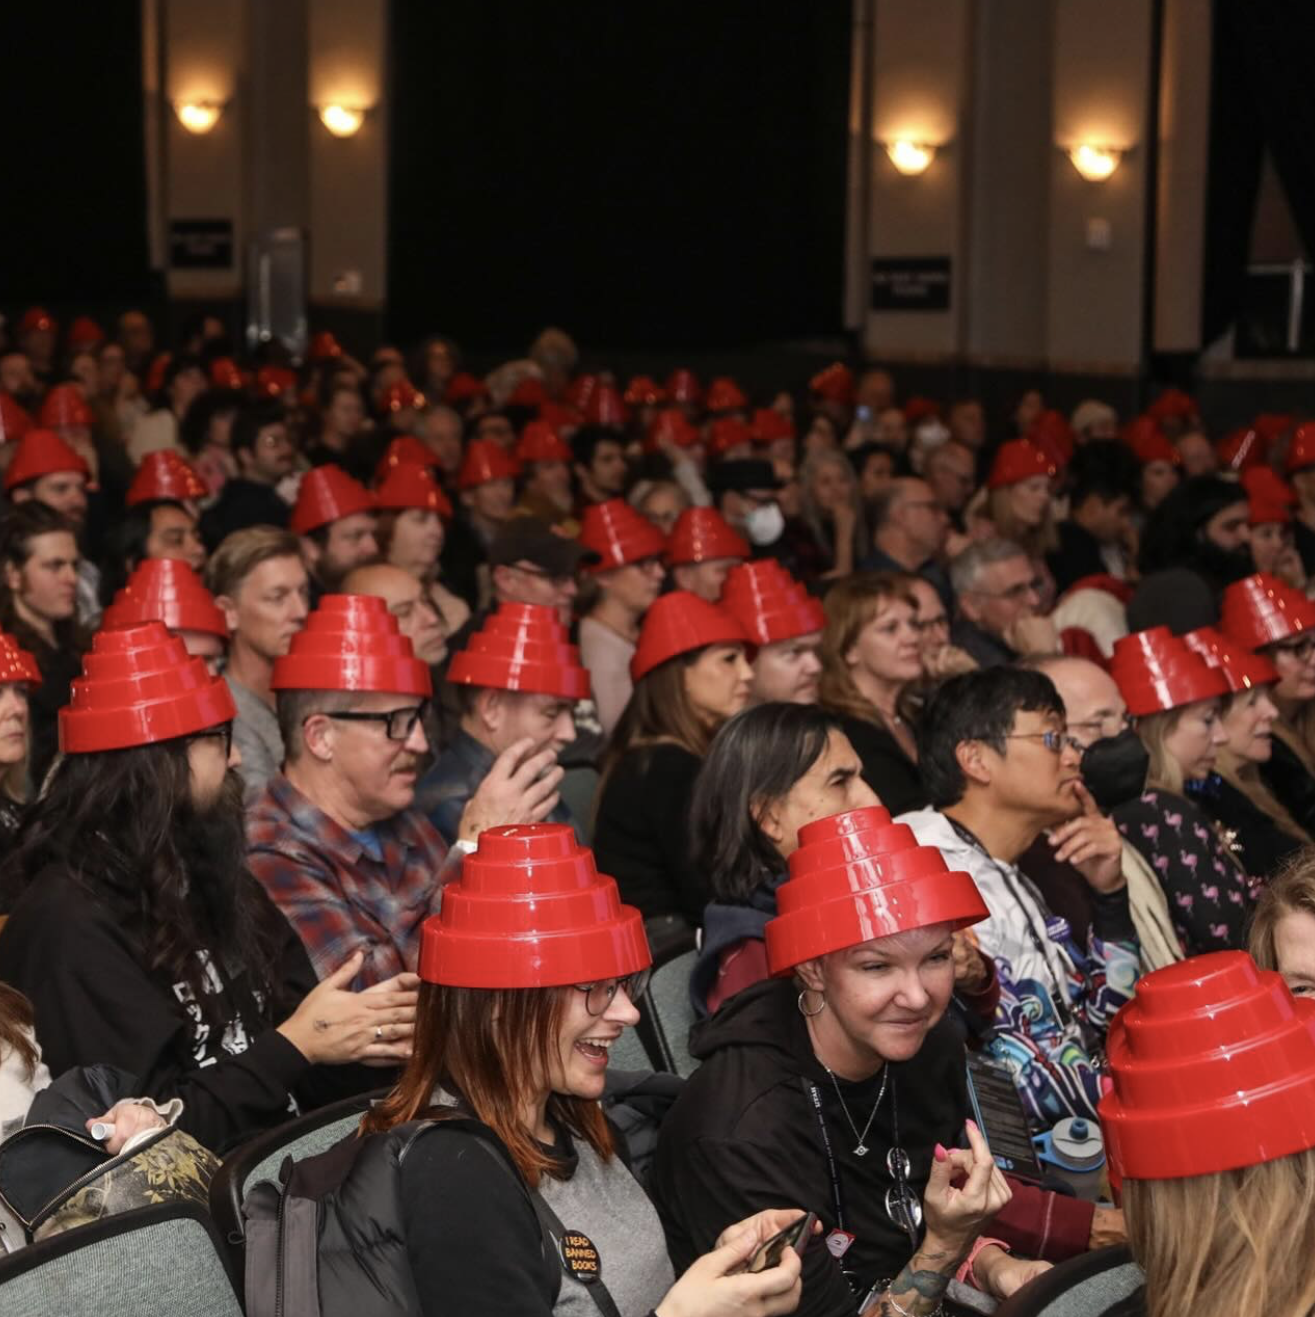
x: 821, y: 1006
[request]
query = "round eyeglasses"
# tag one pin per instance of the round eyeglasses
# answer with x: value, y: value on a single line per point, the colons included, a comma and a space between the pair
x: 599, y: 996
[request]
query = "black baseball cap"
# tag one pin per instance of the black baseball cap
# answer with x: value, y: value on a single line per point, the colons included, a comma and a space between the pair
x: 743, y: 473
x: 532, y: 540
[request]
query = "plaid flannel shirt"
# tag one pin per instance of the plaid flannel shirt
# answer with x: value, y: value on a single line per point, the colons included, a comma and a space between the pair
x: 337, y: 896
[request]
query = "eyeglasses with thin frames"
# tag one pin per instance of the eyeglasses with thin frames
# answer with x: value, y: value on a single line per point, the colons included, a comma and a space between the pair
x: 224, y: 732
x: 1053, y: 741
x: 398, y: 723
x: 1016, y: 593
x: 599, y: 996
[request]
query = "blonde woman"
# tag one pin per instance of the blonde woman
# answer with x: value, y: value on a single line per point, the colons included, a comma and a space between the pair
x: 871, y: 654
x: 1016, y: 505
x: 1282, y: 933
x: 832, y: 509
x: 1175, y: 699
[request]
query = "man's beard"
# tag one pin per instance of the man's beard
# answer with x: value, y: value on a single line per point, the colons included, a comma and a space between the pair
x: 211, y: 841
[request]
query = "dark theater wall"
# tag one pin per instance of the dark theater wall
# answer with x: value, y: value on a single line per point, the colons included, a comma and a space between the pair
x: 647, y: 175
x: 73, y: 216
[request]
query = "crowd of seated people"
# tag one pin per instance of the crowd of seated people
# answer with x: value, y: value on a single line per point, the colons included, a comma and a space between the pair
x: 378, y: 725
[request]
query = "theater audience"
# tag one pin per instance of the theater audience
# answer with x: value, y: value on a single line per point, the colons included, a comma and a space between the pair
x: 784, y: 625
x: 335, y: 517
x: 265, y: 455
x: 701, y: 551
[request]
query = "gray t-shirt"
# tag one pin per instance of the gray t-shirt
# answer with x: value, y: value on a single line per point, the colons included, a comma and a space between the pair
x: 257, y: 737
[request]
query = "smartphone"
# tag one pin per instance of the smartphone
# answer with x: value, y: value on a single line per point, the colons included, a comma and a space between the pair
x: 999, y: 1114
x: 795, y: 1236
x: 863, y: 415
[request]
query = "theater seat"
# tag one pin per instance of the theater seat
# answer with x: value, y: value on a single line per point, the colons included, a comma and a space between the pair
x: 1084, y: 1286
x: 667, y: 1014
x: 161, y: 1261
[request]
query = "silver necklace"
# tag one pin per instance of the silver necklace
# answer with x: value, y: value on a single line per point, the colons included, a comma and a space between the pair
x: 862, y: 1149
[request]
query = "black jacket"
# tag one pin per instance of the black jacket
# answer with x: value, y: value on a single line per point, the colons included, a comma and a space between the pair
x: 1078, y: 555
x: 886, y: 768
x: 744, y: 1136
x: 242, y: 503
x: 1286, y: 776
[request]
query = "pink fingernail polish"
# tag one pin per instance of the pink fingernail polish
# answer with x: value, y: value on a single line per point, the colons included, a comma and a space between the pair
x: 940, y: 1153
x: 972, y: 1125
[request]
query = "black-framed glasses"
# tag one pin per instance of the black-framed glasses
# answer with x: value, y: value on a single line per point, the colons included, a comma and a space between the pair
x: 398, y: 723
x: 224, y: 732
x: 1300, y: 649
x: 599, y: 996
x: 1053, y: 741
x: 558, y: 580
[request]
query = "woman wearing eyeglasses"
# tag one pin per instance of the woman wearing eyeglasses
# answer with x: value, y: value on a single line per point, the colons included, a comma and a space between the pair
x: 840, y: 1085
x: 1176, y: 701
x: 526, y: 1206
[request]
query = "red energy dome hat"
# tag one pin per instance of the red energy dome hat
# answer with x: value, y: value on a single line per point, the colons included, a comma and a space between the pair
x: 139, y: 686
x: 857, y: 876
x: 1242, y: 669
x: 65, y: 405
x: 1301, y: 451
x: 1018, y: 460
x: 679, y: 623
x: 769, y: 603
x: 1213, y: 1066
x: 405, y: 450
x: 619, y: 535
x: 163, y: 474
x: 768, y: 425
x: 328, y: 494
x: 409, y: 486
x: 523, y: 647
x: 84, y: 332
x: 835, y: 383
x: 351, y: 642
x: 1156, y: 671
x: 400, y: 397
x: 275, y: 381
x: 42, y: 453
x: 226, y: 374
x: 166, y: 590
x: 14, y: 421
x: 485, y: 461
x: 540, y: 442
x: 670, y: 427
x: 1259, y: 610
x: 683, y: 386
x: 464, y: 387
x: 643, y: 391
x: 529, y: 392
x: 727, y: 433
x: 16, y: 664
x: 702, y: 534
x: 325, y: 347
x: 1172, y: 403
x: 724, y: 395
x: 605, y: 407
x: 530, y: 910
x: 37, y: 317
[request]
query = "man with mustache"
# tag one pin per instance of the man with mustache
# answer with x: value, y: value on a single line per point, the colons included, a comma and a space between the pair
x: 334, y: 838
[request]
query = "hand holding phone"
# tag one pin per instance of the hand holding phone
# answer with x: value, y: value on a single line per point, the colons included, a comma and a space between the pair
x: 795, y: 1236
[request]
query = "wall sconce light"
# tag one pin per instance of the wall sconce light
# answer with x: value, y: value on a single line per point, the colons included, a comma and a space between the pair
x: 1095, y: 163
x: 910, y: 157
x: 198, y: 116
x: 342, y: 120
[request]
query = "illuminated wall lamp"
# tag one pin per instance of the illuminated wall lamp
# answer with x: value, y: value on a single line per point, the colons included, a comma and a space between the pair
x: 1095, y: 163
x: 910, y: 157
x: 198, y: 116
x: 342, y: 120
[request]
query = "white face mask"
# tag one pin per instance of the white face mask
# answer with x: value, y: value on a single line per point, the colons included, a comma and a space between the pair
x: 764, y: 525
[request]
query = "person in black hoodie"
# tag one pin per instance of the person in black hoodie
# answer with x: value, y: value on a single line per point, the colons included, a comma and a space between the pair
x: 264, y: 453
x: 842, y: 1088
x: 140, y: 937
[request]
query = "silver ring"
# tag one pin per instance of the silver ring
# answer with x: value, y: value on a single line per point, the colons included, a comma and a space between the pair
x: 378, y: 1032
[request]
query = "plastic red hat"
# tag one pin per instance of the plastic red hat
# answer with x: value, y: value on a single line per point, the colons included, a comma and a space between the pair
x: 405, y: 450
x: 529, y: 392
x: 1270, y: 497
x: 916, y: 409
x: 580, y: 390
x: 523, y: 647
x: 485, y: 461
x: 1261, y: 609
x: 530, y: 910
x: 618, y: 534
x: 559, y: 415
x: 351, y: 643
x: 1018, y: 460
x: 679, y: 623
x: 163, y: 474
x: 84, y: 332
x: 464, y: 387
x: 1172, y: 403
x: 701, y: 534
x: 411, y: 486
x: 670, y: 426
x: 14, y: 421
x: 1053, y: 435
x: 16, y: 664
x: 683, y: 386
x: 1242, y: 669
x: 724, y: 395
x: 1240, y: 450
x: 1272, y: 424
x: 642, y: 391
x: 226, y: 374
x: 728, y: 433
x: 858, y: 876
x: 768, y: 425
x: 325, y: 347
x: 274, y: 381
x: 835, y: 383
x: 1301, y: 451
x: 769, y: 603
x: 138, y: 686
x: 605, y: 407
x: 401, y: 396
x: 1149, y: 443
x: 1213, y: 1066
x: 155, y: 371
x: 1156, y: 671
x: 539, y: 442
x: 42, y: 453
x: 65, y: 405
x: 328, y: 493
x: 166, y: 590
x: 37, y: 318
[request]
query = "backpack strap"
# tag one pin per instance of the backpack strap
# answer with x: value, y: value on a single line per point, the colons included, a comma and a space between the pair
x: 551, y: 1225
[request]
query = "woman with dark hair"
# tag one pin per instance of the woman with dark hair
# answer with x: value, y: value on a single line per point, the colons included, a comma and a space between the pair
x: 19, y: 675
x: 690, y: 676
x: 770, y: 770
x: 138, y: 933
x: 206, y: 432
x: 157, y: 528
x: 515, y: 1175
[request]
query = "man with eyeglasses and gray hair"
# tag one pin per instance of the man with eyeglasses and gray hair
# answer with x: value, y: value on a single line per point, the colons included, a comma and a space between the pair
x: 999, y: 604
x: 334, y: 838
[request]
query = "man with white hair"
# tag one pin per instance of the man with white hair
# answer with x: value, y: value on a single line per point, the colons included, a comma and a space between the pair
x: 1094, y: 420
x: 999, y: 601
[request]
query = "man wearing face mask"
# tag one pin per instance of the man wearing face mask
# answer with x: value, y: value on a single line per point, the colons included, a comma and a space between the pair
x: 745, y: 490
x: 1114, y: 764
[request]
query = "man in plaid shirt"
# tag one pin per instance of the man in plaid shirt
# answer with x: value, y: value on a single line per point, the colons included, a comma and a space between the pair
x: 333, y: 838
